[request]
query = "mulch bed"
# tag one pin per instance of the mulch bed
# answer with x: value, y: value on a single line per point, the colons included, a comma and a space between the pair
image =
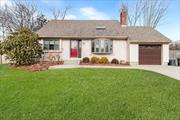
x: 109, y: 64
x: 38, y: 66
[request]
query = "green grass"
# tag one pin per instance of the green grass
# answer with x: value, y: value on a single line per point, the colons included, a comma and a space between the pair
x: 88, y: 94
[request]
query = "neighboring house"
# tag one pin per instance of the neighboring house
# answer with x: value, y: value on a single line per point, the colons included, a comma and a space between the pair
x: 3, y: 57
x: 74, y: 39
x: 174, y: 48
x: 174, y: 51
x: 174, y: 54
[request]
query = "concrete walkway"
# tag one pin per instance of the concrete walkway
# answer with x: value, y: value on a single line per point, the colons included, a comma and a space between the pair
x: 171, y: 71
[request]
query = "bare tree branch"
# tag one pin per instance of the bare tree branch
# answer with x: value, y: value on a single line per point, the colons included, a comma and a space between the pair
x: 64, y: 13
x: 20, y: 14
x: 56, y: 13
x: 147, y: 12
x: 60, y: 14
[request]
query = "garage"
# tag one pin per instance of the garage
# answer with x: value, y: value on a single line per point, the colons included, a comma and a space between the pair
x: 150, y: 54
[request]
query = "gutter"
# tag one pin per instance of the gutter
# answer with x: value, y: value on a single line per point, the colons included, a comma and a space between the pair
x: 90, y: 37
x: 149, y: 43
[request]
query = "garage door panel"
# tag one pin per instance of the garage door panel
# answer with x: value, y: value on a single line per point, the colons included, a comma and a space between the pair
x: 149, y: 54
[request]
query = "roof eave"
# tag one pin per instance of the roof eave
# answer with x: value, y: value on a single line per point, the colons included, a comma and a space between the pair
x: 163, y: 42
x: 86, y: 37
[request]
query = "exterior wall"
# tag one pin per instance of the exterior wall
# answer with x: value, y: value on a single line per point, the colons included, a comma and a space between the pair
x: 86, y: 48
x: 65, y: 45
x: 133, y: 54
x: 41, y: 41
x: 63, y: 52
x: 122, y: 50
x: 119, y: 50
x: 56, y: 53
x: 165, y: 54
x: 3, y: 60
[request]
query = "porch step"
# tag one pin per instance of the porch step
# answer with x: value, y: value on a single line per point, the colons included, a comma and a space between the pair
x: 71, y: 62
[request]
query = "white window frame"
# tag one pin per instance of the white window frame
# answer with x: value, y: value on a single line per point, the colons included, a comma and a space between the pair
x: 49, y: 40
x: 102, y: 47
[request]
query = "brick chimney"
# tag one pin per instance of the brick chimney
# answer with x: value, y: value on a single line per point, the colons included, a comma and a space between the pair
x: 123, y: 17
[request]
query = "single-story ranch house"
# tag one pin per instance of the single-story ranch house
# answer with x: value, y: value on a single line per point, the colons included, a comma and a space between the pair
x: 72, y: 40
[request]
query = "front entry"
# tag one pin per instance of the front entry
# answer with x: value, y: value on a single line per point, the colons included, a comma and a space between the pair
x: 75, y: 48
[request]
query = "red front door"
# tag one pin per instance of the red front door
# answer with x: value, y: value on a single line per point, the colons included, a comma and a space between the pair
x: 75, y: 50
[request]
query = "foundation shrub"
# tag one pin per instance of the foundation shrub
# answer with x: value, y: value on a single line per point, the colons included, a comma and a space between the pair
x: 114, y: 61
x: 103, y: 60
x: 85, y: 60
x: 95, y: 60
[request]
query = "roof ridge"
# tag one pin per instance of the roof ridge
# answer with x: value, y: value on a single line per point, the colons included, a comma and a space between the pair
x: 140, y: 27
x: 83, y: 20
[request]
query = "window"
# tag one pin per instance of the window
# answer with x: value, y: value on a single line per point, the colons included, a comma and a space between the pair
x: 149, y: 46
x: 51, y: 44
x: 102, y: 46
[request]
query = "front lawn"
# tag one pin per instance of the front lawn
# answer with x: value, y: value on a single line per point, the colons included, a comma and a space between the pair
x: 88, y: 94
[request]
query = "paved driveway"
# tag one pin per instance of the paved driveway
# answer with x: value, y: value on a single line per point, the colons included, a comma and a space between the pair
x: 171, y: 71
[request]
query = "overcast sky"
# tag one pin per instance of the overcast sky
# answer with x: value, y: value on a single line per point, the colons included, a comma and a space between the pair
x: 109, y: 9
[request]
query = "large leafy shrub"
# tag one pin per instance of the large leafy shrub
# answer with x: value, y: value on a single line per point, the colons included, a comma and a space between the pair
x: 104, y: 60
x: 94, y: 60
x: 22, y: 47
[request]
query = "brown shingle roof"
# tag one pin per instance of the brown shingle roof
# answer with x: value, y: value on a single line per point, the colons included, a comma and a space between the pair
x: 145, y: 34
x: 87, y: 29
x: 80, y: 28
